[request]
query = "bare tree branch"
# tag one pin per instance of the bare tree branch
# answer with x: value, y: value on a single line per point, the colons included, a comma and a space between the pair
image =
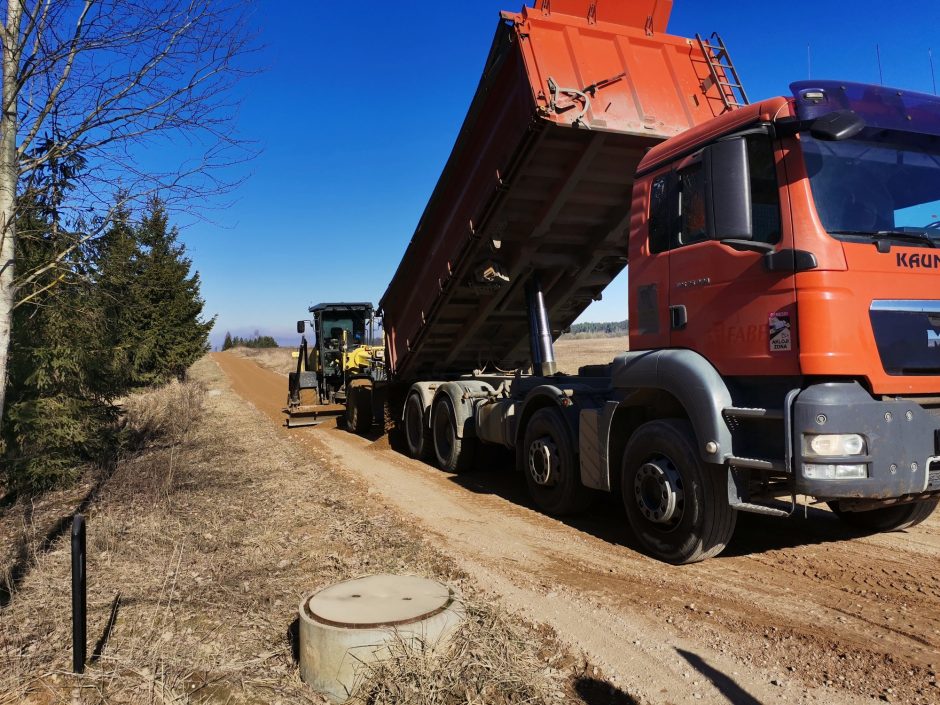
x: 106, y: 85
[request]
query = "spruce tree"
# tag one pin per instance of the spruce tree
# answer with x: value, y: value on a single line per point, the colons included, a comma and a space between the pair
x: 227, y: 343
x: 117, y: 268
x: 172, y: 334
x: 59, y: 411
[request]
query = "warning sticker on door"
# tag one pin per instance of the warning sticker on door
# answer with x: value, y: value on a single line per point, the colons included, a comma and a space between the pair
x: 779, y: 331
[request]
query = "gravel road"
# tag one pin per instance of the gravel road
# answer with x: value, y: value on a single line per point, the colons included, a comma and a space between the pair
x: 796, y: 610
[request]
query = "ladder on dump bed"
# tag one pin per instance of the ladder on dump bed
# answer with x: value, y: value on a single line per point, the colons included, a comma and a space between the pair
x: 721, y: 72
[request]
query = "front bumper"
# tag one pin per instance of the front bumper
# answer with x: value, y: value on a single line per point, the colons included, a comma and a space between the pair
x: 903, y: 442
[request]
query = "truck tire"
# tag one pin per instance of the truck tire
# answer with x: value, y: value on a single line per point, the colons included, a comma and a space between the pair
x: 416, y: 432
x: 359, y: 406
x: 453, y: 454
x: 676, y: 504
x: 892, y: 518
x: 551, y: 467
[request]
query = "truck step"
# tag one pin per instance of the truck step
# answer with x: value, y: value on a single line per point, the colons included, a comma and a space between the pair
x: 742, y: 412
x: 756, y: 464
x: 760, y: 509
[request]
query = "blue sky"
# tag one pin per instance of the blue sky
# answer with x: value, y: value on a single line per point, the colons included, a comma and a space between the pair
x: 359, y: 104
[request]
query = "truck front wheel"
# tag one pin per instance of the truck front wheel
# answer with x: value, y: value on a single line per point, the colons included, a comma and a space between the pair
x: 676, y: 504
x: 893, y: 518
x: 417, y: 435
x: 550, y: 465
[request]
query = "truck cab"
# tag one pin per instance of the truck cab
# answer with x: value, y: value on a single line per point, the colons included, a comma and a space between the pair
x: 791, y: 250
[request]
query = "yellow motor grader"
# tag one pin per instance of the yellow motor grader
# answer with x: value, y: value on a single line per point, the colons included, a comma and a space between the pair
x: 335, y: 375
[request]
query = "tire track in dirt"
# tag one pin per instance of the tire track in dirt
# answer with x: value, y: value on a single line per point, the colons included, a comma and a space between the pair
x: 797, y: 609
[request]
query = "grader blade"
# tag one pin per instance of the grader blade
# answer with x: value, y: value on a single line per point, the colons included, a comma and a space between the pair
x: 312, y: 414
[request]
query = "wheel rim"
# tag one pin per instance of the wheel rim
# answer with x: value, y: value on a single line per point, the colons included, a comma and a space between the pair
x: 444, y: 433
x: 658, y: 491
x: 544, y: 461
x: 413, y: 423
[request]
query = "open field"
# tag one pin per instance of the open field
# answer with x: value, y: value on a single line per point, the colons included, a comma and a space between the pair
x: 570, y: 352
x: 276, y: 359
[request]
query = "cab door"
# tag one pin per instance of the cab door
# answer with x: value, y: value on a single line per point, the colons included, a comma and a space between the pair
x: 655, y: 202
x: 728, y: 302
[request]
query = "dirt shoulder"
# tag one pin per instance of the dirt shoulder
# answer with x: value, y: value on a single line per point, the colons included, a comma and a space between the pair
x: 199, y: 552
x: 798, y: 610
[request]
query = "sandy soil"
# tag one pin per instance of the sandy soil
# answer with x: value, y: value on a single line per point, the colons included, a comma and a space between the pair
x: 798, y: 610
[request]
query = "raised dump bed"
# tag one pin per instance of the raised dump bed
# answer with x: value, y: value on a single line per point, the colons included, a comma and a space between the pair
x: 539, y: 182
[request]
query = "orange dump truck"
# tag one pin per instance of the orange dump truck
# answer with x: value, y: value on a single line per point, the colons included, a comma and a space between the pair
x: 784, y: 303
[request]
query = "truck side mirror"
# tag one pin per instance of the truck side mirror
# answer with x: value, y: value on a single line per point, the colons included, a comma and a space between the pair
x: 837, y: 125
x: 831, y: 127
x: 728, y: 190
x: 301, y: 326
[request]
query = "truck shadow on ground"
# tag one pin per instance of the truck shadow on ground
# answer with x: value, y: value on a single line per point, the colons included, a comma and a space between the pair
x: 607, y: 521
x: 725, y: 685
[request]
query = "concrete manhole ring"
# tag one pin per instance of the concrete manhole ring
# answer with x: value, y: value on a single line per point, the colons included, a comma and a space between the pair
x: 351, y: 624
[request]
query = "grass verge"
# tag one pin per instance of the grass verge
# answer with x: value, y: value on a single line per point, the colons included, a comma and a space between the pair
x: 200, y: 547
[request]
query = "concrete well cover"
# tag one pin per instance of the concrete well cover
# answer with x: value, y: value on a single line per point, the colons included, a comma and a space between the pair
x: 378, y: 601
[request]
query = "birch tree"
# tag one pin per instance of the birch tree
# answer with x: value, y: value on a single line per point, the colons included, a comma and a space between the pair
x: 133, y: 94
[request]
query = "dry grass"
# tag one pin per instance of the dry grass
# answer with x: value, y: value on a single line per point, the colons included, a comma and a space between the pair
x: 199, y: 551
x: 278, y: 359
x: 165, y: 414
x: 490, y: 659
x: 573, y: 352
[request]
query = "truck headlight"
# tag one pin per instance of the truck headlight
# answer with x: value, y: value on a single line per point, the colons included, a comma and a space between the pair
x: 833, y: 445
x: 821, y: 471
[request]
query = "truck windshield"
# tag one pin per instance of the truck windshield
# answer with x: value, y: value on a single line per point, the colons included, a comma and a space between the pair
x: 884, y: 185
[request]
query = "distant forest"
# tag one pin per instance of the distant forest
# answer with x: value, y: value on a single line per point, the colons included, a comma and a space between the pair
x: 599, y: 330
x: 259, y: 341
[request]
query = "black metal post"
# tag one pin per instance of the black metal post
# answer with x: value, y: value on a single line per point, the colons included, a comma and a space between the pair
x: 78, y: 594
x: 540, y: 334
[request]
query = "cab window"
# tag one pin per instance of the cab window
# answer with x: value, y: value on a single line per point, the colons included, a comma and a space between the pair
x: 677, y: 201
x: 765, y: 194
x: 691, y: 206
x: 662, y: 212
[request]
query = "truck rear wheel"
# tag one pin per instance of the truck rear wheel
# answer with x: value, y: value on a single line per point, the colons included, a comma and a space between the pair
x: 417, y: 434
x: 551, y: 466
x: 676, y: 504
x: 359, y: 406
x: 892, y: 518
x: 453, y: 454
